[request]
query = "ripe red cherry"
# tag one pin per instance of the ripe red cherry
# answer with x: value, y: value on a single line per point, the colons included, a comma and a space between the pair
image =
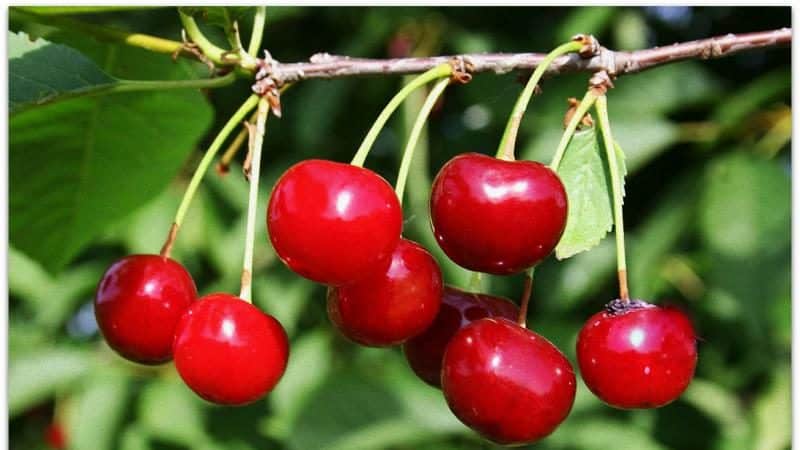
x: 459, y: 309
x: 138, y: 303
x: 389, y: 306
x: 228, y: 351
x: 637, y: 355
x: 497, y: 216
x: 333, y: 222
x: 506, y: 382
x: 55, y: 436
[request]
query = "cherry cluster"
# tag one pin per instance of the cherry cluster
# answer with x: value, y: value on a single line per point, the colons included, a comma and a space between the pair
x: 340, y: 225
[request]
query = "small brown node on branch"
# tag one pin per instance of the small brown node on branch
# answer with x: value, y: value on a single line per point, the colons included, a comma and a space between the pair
x: 600, y: 82
x: 192, y: 48
x: 586, y: 120
x: 591, y: 47
x: 248, y: 160
x: 462, y: 70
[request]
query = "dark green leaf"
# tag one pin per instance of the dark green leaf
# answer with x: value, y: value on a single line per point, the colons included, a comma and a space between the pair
x: 40, y: 72
x: 78, y: 166
x: 345, y: 405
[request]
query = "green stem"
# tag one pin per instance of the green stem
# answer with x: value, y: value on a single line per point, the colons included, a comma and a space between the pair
x: 147, y: 42
x: 442, y: 70
x: 476, y: 282
x: 211, y: 51
x: 259, y: 20
x: 202, y: 168
x: 616, y: 188
x: 586, y: 103
x: 526, y: 297
x: 252, y: 204
x: 506, y: 148
x: 416, y: 130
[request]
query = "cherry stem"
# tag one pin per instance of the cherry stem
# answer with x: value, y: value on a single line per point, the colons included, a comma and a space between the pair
x: 211, y: 51
x: 476, y: 282
x: 416, y: 130
x: 526, y: 297
x: 252, y: 203
x: 166, y: 249
x: 227, y: 156
x: 439, y: 71
x: 259, y: 20
x: 601, y: 106
x: 202, y: 168
x: 586, y: 103
x: 506, y: 148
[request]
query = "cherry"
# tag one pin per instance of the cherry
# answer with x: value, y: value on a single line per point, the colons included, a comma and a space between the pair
x: 506, y: 382
x: 55, y: 436
x: 138, y: 303
x: 389, y: 306
x: 497, y: 216
x: 228, y: 351
x: 637, y: 355
x: 424, y: 352
x: 333, y: 222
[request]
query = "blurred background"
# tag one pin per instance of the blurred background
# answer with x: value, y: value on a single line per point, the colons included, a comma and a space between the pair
x: 707, y: 213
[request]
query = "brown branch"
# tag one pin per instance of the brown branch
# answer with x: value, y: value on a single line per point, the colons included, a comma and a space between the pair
x: 615, y: 63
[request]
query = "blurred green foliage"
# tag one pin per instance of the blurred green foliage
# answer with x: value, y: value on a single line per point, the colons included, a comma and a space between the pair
x: 707, y: 209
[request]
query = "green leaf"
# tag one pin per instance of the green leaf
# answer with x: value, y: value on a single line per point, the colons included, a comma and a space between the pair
x: 772, y: 413
x: 587, y: 20
x: 79, y: 165
x: 36, y: 376
x: 95, y: 418
x: 69, y: 10
x: 745, y: 208
x: 345, y: 405
x: 221, y: 16
x: 602, y: 434
x: 40, y: 72
x: 170, y: 412
x: 585, y: 175
x: 309, y: 365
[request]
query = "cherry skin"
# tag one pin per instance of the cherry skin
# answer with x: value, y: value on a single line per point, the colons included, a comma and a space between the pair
x: 459, y: 309
x: 138, y: 304
x: 497, y: 216
x: 332, y: 222
x: 390, y: 306
x: 637, y: 355
x: 55, y: 436
x: 506, y: 382
x: 228, y: 351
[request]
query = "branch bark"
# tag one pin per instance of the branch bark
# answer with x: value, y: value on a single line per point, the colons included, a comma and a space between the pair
x: 615, y: 63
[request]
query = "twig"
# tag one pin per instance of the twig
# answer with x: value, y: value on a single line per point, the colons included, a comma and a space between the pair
x: 327, y: 66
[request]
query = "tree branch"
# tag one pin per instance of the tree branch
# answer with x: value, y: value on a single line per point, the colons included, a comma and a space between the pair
x: 616, y: 63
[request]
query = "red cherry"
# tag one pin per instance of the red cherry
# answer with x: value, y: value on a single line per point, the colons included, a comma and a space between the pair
x: 138, y: 304
x: 55, y: 436
x: 332, y: 222
x: 459, y: 309
x: 637, y: 355
x: 228, y: 351
x: 497, y: 216
x: 506, y: 382
x: 389, y: 306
